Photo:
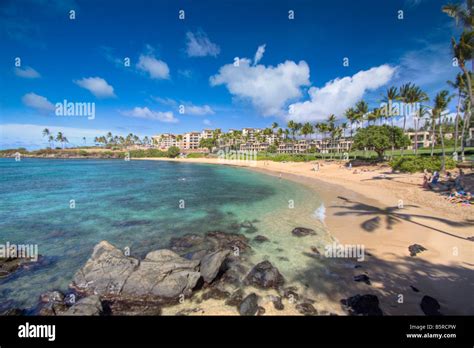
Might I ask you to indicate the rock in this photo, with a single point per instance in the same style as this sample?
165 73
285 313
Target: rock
276 300
235 299
211 264
430 306
10 265
215 294
162 273
189 311
260 311
315 250
363 305
105 272
265 275
249 305
362 278
52 296
222 240
185 242
416 249
89 306
302 231
306 309
260 239
246 224
291 294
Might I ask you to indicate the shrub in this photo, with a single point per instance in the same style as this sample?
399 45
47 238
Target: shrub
412 164
173 151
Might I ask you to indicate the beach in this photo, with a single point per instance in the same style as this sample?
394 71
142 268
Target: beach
387 213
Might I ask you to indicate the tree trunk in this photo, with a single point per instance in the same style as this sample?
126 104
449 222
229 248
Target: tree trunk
416 135
456 125
443 158
433 129
404 125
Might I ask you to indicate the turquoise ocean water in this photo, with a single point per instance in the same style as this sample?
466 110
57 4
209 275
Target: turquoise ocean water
136 204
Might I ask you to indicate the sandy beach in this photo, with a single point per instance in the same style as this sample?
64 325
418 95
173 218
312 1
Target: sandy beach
386 213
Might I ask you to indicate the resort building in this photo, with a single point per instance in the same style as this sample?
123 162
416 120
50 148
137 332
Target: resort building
165 141
254 146
207 134
250 133
191 140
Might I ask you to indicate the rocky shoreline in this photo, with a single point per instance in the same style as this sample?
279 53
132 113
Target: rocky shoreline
194 268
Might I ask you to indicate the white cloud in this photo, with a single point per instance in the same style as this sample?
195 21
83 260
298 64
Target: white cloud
259 54
27 73
157 69
339 94
267 88
198 110
146 113
97 86
37 102
199 45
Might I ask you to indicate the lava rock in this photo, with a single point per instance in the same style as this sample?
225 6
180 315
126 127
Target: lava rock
430 306
416 249
249 305
211 264
363 305
302 231
362 278
306 309
260 239
265 275
88 306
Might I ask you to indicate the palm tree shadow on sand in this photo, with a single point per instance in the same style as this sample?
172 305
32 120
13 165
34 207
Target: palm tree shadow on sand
393 216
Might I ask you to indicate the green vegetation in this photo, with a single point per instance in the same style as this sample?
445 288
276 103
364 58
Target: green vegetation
412 164
147 153
173 152
380 138
196 155
207 143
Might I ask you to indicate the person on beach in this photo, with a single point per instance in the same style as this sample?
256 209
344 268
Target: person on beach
426 180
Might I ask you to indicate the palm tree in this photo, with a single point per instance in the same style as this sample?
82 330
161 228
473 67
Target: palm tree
307 129
458 85
441 102
274 126
60 137
464 51
350 115
65 141
414 97
463 15
51 141
292 127
361 110
46 133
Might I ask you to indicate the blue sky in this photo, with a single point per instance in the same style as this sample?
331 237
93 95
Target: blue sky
299 65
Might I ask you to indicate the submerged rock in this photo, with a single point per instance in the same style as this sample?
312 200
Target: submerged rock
249 305
302 231
185 242
265 275
430 306
235 298
416 249
363 305
260 239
